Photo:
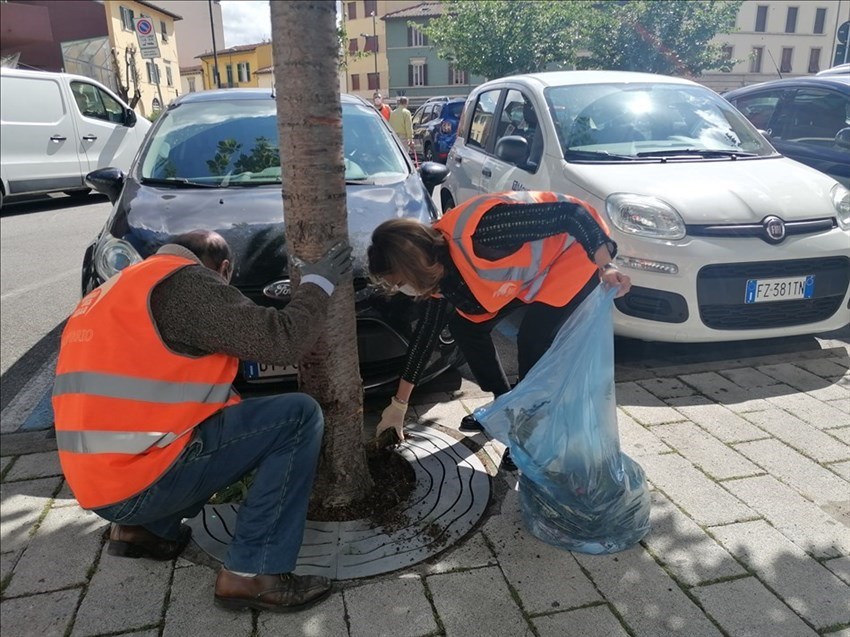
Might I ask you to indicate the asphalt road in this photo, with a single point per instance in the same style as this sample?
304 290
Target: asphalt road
42 243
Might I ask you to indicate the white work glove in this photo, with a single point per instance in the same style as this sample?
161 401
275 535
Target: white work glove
393 418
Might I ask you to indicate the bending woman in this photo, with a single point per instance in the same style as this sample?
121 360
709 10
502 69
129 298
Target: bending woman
483 260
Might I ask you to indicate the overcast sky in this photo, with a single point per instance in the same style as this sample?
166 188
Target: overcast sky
245 21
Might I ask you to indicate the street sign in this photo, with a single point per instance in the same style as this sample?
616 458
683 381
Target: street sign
146 34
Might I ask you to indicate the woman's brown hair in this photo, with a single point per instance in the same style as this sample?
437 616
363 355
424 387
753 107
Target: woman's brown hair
409 250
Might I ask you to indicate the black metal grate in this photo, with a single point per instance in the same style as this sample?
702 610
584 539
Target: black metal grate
760 316
774 269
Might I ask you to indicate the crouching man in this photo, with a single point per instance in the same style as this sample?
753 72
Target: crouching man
148 426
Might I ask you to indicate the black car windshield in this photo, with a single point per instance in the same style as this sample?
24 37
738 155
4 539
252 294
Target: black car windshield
624 122
235 143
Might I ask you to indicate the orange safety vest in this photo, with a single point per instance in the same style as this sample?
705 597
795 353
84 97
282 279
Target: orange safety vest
385 111
123 401
551 270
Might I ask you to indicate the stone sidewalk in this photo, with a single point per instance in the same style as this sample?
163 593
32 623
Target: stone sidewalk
749 462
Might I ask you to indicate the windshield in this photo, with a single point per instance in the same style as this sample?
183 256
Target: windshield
628 121
235 143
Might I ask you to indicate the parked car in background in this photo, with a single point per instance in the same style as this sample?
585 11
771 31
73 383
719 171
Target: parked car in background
212 161
842 70
805 118
724 238
445 128
423 124
55 128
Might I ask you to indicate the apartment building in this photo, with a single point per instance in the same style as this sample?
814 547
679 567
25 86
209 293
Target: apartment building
237 65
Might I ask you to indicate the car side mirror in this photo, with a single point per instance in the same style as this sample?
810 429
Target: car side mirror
129 118
433 174
842 138
512 149
107 181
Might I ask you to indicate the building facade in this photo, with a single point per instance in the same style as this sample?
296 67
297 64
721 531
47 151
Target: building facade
195 33
784 38
237 65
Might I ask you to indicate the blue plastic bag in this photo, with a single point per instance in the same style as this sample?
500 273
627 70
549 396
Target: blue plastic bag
577 489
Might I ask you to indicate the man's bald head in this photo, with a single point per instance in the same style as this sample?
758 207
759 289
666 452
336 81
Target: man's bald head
210 247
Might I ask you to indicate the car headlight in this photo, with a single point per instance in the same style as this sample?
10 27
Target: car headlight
113 255
841 200
644 216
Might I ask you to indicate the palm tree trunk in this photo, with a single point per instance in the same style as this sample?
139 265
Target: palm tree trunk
306 58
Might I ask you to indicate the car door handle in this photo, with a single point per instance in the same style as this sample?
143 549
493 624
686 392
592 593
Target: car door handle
58 138
458 159
486 172
89 138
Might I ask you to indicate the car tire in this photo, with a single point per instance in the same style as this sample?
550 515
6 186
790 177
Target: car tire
428 153
447 202
78 194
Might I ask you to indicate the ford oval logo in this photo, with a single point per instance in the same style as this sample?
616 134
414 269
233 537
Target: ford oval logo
774 228
278 290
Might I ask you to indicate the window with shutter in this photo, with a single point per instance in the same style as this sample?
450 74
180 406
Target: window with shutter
352 10
785 65
370 7
820 20
163 32
791 20
374 81
814 60
355 81
761 18
352 45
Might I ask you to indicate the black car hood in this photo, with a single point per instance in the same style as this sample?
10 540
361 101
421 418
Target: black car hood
251 220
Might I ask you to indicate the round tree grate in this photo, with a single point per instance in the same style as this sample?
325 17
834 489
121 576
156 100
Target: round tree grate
451 492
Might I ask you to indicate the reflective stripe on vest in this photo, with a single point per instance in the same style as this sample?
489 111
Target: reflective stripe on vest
128 442
142 389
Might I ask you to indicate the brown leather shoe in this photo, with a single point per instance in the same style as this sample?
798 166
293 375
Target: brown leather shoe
137 541
283 593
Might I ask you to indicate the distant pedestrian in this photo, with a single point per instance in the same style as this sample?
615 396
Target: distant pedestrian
383 109
148 426
402 122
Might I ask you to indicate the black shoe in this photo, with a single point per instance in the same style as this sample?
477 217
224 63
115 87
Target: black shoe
468 423
136 541
507 462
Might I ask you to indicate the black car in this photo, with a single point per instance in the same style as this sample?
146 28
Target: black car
212 161
805 118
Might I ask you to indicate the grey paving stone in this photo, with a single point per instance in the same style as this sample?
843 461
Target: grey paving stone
797 471
191 612
825 368
647 599
36 465
745 608
643 406
472 552
666 388
841 633
5 462
688 552
841 567
809 440
122 595
396 607
22 504
813 411
470 389
594 621
806 381
809 588
841 468
543 576
65 497
843 434
446 414
60 554
705 501
326 619
637 440
460 604
724 391
721 422
7 563
748 377
842 405
47 615
798 519
705 451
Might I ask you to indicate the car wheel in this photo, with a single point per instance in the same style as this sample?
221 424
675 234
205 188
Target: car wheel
428 153
1 198
446 201
78 194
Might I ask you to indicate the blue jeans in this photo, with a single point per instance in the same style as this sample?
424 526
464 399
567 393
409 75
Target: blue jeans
280 437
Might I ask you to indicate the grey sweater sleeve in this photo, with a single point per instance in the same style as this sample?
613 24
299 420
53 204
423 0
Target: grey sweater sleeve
197 313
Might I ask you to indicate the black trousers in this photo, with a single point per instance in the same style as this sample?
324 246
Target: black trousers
538 329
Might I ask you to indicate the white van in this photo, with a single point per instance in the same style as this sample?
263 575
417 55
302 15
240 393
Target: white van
55 128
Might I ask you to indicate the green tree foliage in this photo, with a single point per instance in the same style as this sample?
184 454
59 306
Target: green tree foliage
660 36
496 38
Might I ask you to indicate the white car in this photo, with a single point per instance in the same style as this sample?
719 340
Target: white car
55 128
724 238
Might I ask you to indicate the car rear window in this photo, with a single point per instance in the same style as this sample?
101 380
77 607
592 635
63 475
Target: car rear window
452 110
235 143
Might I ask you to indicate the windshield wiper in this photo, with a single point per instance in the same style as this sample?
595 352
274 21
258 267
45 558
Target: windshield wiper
176 182
569 153
702 152
360 181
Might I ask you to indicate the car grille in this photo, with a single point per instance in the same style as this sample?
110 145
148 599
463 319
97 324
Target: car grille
810 226
720 293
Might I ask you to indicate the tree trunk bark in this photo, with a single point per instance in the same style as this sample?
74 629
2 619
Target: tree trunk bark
306 58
